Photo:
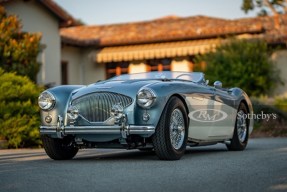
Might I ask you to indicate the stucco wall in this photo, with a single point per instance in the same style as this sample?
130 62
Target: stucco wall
92 71
280 58
82 68
73 57
36 18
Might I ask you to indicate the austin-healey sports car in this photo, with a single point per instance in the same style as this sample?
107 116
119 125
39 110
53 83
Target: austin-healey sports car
162 112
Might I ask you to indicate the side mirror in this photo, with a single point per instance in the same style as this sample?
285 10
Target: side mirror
206 82
217 84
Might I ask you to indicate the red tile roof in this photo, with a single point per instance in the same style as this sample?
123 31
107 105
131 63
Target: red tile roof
170 29
271 33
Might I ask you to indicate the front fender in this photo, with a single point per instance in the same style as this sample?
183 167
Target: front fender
154 112
62 95
163 91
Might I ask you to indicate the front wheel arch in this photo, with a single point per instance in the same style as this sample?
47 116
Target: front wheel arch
246 105
184 103
170 137
182 100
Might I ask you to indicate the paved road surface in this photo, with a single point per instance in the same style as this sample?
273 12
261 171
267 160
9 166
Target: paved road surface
262 167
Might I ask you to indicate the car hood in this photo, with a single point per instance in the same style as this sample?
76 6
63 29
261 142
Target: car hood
129 88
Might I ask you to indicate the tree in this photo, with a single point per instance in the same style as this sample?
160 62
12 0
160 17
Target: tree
275 6
18 50
19 112
242 63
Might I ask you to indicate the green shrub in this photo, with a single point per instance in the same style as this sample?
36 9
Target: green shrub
244 64
275 127
281 103
18 49
19 112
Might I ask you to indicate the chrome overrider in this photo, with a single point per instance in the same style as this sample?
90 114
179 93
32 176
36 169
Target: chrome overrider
116 124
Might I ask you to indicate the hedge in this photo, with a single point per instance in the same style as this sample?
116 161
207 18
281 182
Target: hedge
19 112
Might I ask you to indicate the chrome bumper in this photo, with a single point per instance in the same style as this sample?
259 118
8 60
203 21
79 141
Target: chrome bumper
122 129
114 129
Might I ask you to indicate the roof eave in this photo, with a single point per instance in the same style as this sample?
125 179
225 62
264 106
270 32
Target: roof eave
99 43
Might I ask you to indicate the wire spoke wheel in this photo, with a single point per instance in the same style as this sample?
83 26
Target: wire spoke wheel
170 137
177 129
241 126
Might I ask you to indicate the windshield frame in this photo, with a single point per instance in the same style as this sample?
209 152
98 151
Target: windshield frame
196 77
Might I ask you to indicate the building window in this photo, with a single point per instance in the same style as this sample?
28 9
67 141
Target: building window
159 65
114 69
64 72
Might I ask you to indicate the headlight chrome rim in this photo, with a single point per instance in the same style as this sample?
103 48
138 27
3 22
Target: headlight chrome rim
46 101
146 98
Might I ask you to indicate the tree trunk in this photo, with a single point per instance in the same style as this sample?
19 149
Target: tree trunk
277 21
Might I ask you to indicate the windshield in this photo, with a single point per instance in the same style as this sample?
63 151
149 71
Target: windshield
194 76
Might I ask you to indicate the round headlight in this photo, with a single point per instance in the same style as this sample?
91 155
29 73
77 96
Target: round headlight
146 98
46 100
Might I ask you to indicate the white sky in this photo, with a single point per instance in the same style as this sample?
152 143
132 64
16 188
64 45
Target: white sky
120 11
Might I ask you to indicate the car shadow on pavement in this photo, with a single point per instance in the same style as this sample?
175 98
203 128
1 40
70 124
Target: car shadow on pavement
191 152
120 154
143 155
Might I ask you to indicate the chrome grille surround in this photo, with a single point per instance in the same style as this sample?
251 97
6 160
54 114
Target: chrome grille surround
96 107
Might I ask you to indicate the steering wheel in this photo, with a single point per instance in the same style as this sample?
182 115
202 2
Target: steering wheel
185 75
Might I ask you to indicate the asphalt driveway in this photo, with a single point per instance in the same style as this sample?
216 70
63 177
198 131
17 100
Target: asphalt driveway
261 167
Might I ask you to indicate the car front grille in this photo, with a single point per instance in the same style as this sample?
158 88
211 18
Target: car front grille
96 107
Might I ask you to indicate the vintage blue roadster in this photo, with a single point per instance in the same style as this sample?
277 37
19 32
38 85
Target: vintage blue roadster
160 111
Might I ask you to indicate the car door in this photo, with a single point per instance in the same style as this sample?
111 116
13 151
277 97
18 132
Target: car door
223 124
201 114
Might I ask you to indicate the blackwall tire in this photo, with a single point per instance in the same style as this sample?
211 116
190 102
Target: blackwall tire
241 130
58 149
170 137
